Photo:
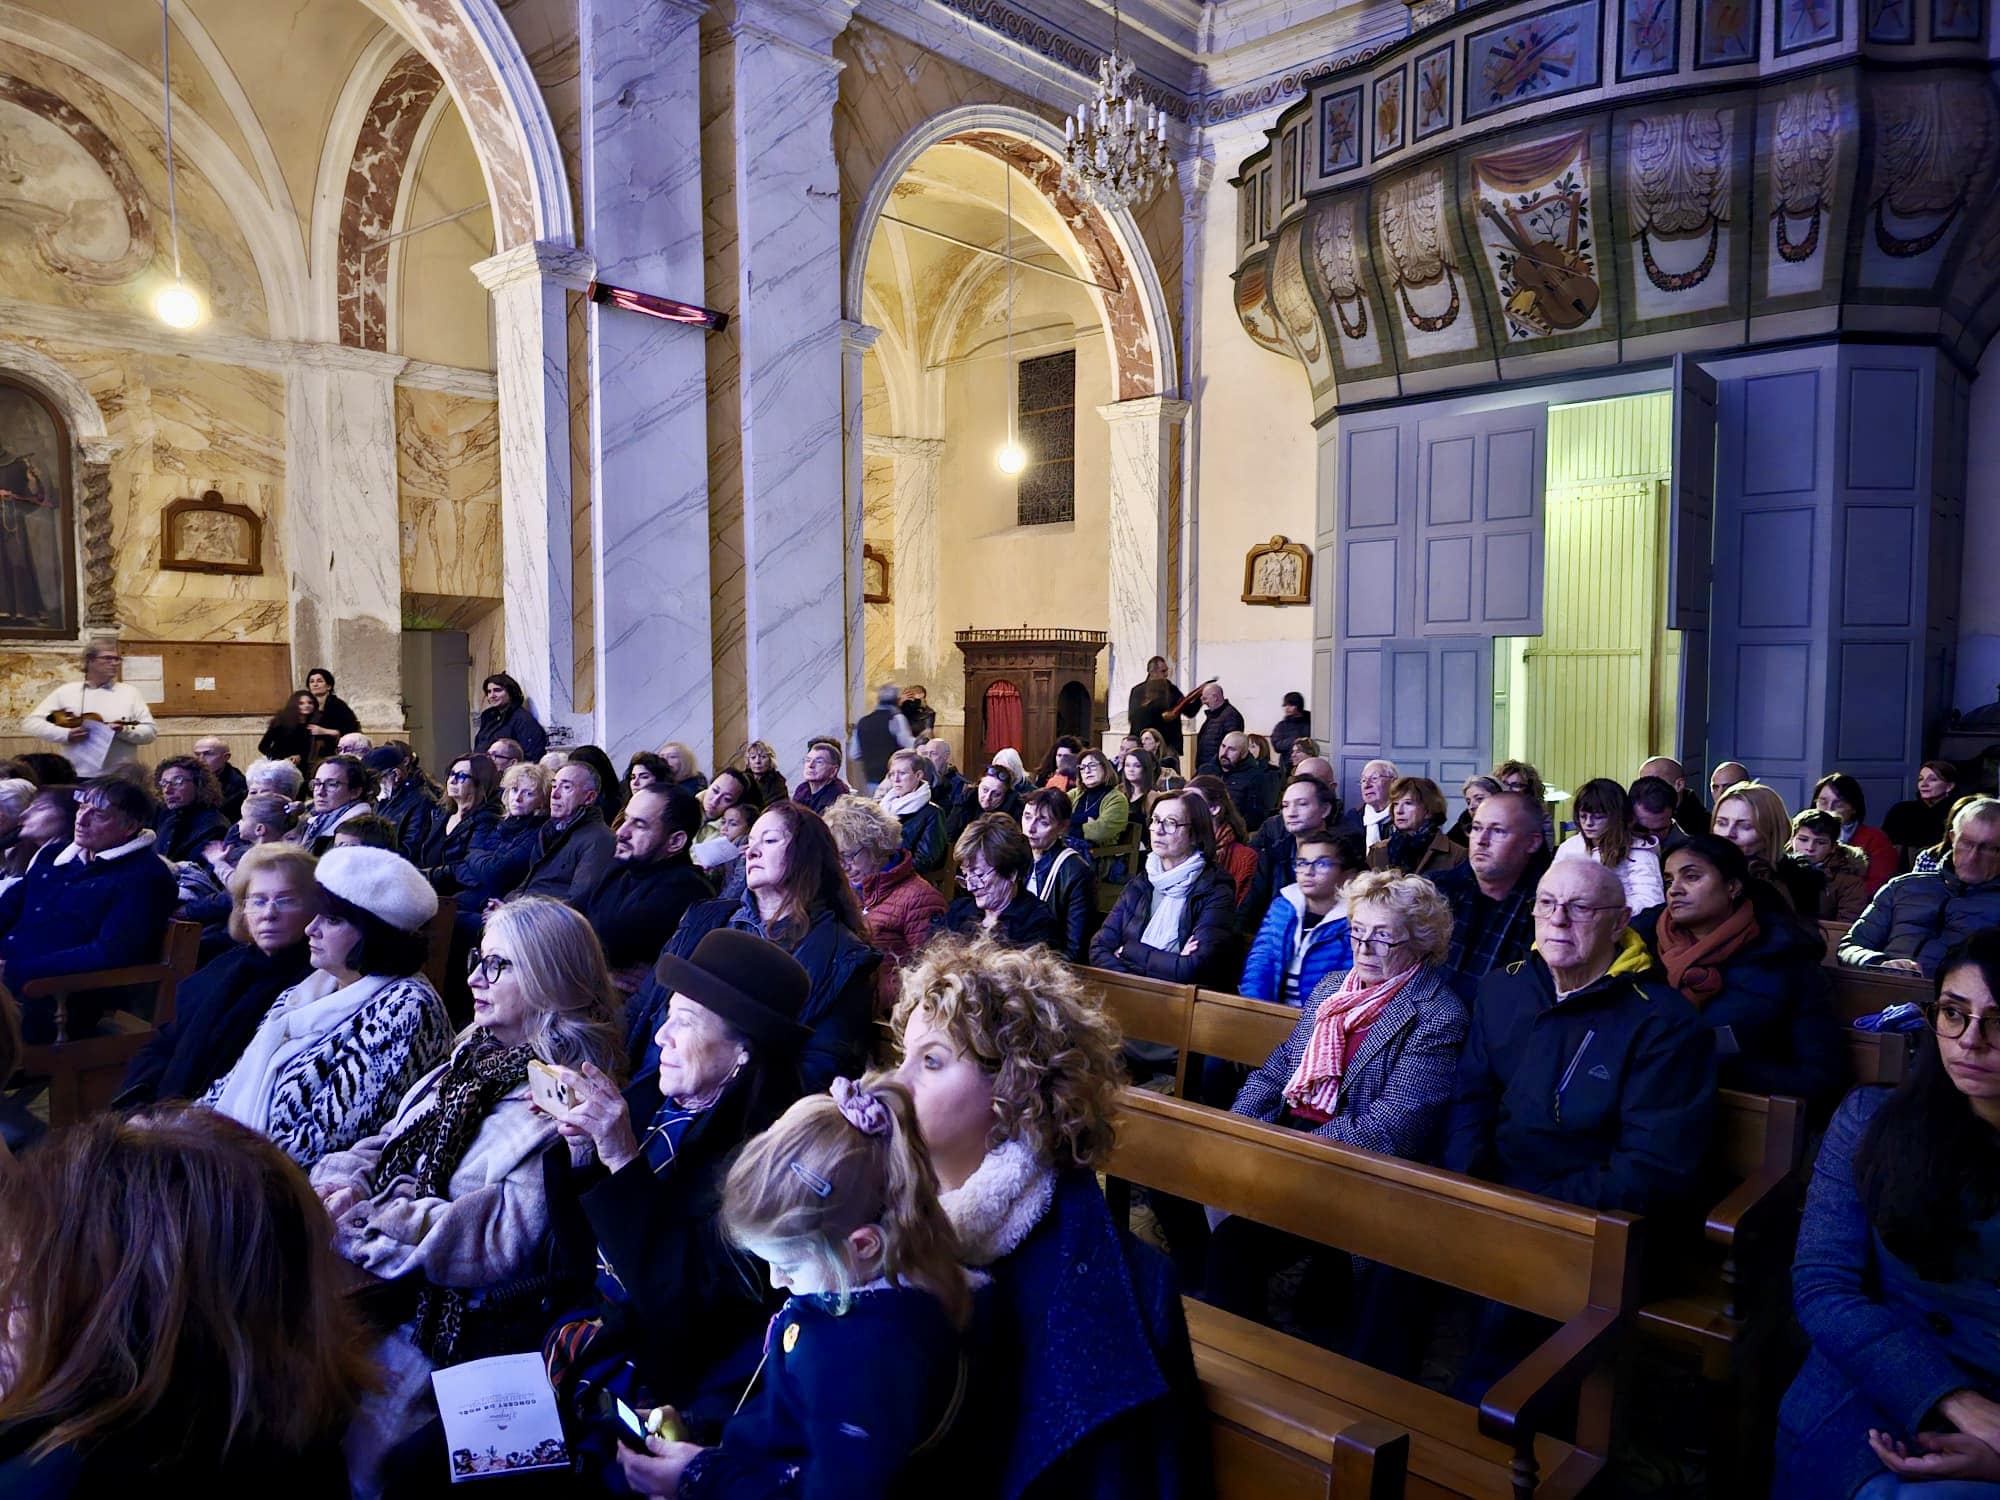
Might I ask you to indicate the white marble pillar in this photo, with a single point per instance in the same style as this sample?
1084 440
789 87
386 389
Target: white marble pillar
642 224
1140 433
343 526
783 83
918 463
1196 175
856 339
530 285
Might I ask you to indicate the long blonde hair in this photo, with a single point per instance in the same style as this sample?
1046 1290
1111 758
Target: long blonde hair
1767 813
575 1008
817 1175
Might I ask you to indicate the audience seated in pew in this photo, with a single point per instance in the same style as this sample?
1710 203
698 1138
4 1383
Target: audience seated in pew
1085 1386
822 784
1840 794
17 795
1064 878
1753 971
1753 818
898 905
1894 1279
1100 811
444 1205
796 896
1306 805
493 866
1176 918
190 813
335 1054
1416 842
996 793
761 761
1304 937
906 796
342 788
1492 894
1922 820
650 882
994 862
1242 775
468 819
1656 812
1234 855
865 1369
369 831
1842 869
576 845
1915 919
103 902
1607 833
404 795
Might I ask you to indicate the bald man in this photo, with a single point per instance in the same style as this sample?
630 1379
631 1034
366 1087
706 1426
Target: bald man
1725 776
214 753
1689 813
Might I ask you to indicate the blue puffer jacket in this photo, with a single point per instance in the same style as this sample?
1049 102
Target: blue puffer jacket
1920 917
1319 951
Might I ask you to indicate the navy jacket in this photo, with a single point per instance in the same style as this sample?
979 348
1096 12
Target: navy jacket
70 917
216 1012
496 860
413 810
839 1010
1777 1007
1070 891
515 724
1886 1344
819 801
635 908
1026 921
1083 1378
1210 915
1920 917
1603 1101
180 832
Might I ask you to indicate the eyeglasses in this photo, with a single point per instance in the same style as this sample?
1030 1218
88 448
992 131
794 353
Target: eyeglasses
1572 911
1159 823
1320 866
279 904
973 880
174 781
459 776
487 966
1953 1021
320 784
1376 942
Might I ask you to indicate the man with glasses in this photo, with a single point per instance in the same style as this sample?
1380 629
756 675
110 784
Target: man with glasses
651 880
103 903
1492 893
1584 1077
822 786
1914 920
341 788
60 717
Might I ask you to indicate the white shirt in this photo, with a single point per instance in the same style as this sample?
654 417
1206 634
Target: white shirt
120 700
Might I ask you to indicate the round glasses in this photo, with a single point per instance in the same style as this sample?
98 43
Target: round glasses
1953 1021
487 966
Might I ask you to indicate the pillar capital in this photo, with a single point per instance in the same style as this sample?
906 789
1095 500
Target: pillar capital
538 260
1144 409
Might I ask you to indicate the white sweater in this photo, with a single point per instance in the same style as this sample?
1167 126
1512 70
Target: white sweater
1639 874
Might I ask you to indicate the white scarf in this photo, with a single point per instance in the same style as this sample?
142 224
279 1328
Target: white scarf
302 1017
906 804
1170 898
144 839
1375 824
1002 1200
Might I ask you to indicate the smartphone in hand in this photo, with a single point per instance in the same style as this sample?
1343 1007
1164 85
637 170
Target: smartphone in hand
551 1088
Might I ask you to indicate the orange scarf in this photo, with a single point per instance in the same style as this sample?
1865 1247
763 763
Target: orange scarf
1348 1010
1694 965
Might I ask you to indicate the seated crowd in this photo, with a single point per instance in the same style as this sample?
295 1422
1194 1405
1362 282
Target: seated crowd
773 1113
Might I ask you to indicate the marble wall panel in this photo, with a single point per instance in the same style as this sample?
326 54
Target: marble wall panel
448 472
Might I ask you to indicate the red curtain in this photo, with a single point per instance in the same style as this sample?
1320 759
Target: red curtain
1003 719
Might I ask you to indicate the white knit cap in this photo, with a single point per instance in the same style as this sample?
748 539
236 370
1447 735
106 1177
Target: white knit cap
381 883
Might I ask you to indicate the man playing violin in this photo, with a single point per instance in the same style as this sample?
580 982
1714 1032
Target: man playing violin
63 717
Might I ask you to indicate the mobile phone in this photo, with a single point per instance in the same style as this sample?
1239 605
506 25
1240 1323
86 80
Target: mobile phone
633 1429
549 1088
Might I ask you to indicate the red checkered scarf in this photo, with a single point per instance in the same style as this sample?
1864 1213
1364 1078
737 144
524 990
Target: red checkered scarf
1350 1009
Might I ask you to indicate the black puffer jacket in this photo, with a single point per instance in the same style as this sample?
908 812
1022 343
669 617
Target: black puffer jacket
1209 916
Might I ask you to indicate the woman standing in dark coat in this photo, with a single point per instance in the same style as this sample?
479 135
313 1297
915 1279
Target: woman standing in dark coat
506 717
1898 1258
331 717
289 734
1175 919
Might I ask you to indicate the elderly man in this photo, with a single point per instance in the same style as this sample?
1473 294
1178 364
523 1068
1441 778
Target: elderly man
103 903
950 794
879 734
1371 817
1306 806
342 788
1221 720
822 786
575 846
1492 894
118 704
1723 777
638 900
354 743
214 753
1243 776
1584 1076
1914 920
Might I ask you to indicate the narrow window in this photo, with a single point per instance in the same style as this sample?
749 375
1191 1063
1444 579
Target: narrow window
1046 393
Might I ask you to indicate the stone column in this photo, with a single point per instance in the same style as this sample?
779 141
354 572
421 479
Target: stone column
642 212
856 339
530 285
918 462
1140 432
783 83
1196 174
100 568
343 525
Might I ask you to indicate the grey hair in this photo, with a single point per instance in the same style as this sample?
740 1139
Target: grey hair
859 823
279 776
1422 907
1978 810
15 795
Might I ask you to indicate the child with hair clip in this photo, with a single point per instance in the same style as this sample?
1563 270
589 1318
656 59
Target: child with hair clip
863 1369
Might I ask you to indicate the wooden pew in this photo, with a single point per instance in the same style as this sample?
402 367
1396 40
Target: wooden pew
1293 1403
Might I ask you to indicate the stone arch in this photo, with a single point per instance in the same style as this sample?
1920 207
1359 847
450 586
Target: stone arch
92 471
380 158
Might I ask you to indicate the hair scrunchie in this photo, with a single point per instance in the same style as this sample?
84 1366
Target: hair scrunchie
863 1110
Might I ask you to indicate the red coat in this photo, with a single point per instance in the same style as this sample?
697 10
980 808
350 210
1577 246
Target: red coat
1883 862
1237 860
898 904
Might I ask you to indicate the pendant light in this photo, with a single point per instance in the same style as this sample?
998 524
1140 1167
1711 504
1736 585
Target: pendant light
1010 459
179 305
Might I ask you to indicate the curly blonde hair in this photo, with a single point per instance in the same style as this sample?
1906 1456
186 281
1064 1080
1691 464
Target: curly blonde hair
1029 1022
861 824
1419 904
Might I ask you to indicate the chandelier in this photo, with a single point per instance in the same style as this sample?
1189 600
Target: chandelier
1115 146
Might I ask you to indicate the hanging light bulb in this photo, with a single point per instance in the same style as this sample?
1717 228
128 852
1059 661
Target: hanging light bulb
178 305
1012 458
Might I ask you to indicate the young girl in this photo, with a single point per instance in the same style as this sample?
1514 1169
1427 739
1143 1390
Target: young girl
1605 832
863 1371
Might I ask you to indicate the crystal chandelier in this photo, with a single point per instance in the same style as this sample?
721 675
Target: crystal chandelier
1115 146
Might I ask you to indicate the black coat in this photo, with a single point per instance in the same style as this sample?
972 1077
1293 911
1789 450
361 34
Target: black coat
181 832
568 861
1024 923
216 1012
1070 892
1149 706
1216 725
284 741
1210 915
1284 732
413 810
512 723
496 860
771 787
130 1463
957 803
235 787
634 908
334 714
446 846
923 836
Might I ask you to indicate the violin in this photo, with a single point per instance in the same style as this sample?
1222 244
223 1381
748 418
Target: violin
62 718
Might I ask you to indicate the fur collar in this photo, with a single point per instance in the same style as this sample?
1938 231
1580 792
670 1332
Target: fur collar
998 1205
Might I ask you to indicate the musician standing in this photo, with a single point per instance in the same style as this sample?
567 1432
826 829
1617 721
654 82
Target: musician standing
100 693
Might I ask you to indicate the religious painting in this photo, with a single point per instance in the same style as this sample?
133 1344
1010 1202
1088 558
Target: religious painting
1725 32
37 521
1890 21
1335 265
1806 23
1540 56
1958 21
1277 572
1537 226
874 575
1340 131
210 535
1433 102
1387 115
1649 38
1253 309
1679 171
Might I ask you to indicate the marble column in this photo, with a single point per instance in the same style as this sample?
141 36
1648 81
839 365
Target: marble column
343 526
642 223
530 285
1196 175
856 339
1140 432
914 582
783 83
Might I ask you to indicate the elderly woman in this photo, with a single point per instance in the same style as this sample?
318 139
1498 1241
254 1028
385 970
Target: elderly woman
684 767
795 895
1921 822
1063 879
1175 919
996 793
272 898
335 1053
1233 854
446 1201
1754 972
469 819
1841 795
1475 790
1416 843
506 717
495 865
190 813
1606 832
1841 868
1099 809
1014 1070
897 903
761 761
994 863
1753 818
1898 1258
906 796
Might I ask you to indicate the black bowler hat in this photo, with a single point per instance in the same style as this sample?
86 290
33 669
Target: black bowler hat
751 983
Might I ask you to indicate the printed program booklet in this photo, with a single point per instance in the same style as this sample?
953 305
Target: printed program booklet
499 1417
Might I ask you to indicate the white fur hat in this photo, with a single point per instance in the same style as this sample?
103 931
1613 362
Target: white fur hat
381 883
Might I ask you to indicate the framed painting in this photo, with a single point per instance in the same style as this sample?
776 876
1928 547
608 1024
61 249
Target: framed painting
1805 23
1528 58
1340 131
1649 38
37 519
1386 117
1890 22
1431 110
1958 21
210 535
1725 33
